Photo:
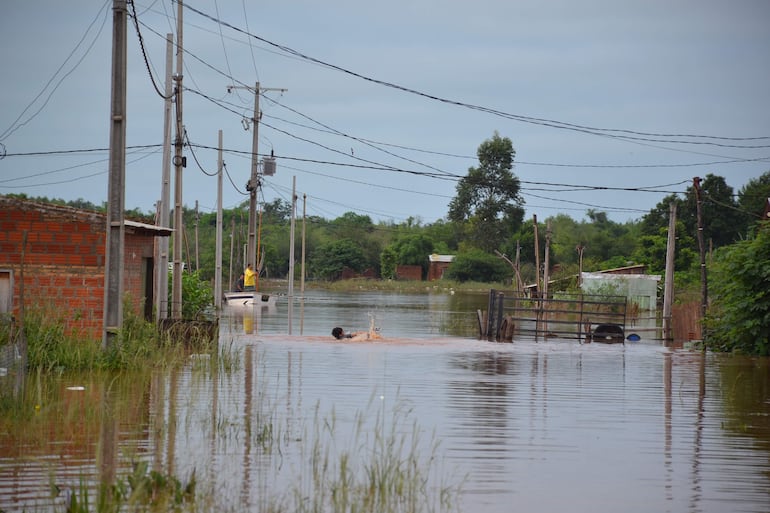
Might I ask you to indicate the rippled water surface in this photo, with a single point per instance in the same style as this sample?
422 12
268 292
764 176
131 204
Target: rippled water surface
537 427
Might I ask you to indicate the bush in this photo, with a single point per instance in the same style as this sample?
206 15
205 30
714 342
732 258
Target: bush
738 317
476 265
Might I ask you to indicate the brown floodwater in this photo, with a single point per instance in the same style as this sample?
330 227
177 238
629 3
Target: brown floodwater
528 426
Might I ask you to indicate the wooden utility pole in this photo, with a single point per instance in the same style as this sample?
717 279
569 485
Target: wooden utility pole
580 248
702 247
161 286
668 284
116 194
176 279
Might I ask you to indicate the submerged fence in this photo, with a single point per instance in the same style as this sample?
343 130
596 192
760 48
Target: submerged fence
564 315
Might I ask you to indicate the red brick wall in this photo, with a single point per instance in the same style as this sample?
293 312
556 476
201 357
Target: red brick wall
63 262
436 270
409 272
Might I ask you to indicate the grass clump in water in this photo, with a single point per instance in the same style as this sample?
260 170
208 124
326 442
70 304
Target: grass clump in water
386 469
139 344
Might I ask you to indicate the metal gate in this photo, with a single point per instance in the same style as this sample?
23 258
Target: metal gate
563 315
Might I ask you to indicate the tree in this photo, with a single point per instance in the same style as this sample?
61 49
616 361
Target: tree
753 197
722 221
738 318
331 258
476 265
487 204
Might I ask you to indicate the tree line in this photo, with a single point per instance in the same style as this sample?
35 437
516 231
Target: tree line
485 228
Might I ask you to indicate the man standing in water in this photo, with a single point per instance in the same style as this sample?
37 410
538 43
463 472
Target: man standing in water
249 278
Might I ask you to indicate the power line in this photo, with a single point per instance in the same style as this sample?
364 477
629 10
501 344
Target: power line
617 133
17 124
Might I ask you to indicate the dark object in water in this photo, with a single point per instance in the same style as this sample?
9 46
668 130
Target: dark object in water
608 333
633 337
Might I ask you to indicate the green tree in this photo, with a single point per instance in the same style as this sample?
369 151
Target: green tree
331 258
738 317
723 223
487 205
409 249
753 197
476 265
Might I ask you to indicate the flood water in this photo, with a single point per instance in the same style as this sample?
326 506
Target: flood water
528 426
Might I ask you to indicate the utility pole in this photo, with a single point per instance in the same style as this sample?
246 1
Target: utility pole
547 260
702 247
291 248
165 189
197 218
232 247
668 284
302 268
176 281
116 194
537 257
253 184
218 251
580 248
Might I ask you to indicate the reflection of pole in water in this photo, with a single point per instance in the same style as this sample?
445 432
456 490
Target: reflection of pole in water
157 393
214 368
108 442
172 395
667 454
698 441
247 407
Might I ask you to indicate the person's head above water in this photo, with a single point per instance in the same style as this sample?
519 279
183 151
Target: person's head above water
338 333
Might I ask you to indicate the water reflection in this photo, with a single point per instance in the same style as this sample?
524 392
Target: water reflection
536 427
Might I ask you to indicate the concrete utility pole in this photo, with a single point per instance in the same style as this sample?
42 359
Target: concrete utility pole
291 249
253 184
197 218
302 268
218 251
668 283
161 285
537 257
116 194
702 247
176 280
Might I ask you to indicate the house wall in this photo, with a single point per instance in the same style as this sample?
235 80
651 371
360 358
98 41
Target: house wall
436 270
409 272
60 269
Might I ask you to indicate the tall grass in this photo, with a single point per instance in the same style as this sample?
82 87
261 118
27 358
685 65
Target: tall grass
384 469
50 347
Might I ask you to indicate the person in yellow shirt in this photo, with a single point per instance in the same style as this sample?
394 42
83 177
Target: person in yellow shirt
249 278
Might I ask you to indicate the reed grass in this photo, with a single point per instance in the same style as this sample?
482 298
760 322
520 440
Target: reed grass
139 344
384 468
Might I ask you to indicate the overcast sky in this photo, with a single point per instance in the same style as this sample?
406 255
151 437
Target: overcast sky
610 105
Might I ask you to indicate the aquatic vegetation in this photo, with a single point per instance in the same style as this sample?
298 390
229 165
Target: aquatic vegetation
385 468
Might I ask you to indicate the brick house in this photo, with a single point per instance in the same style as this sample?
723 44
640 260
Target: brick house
409 272
437 265
54 256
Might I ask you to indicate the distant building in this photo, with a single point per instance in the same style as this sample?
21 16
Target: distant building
640 289
52 257
438 265
409 272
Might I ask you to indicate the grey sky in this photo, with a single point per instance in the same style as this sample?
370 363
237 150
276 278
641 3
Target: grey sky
651 67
